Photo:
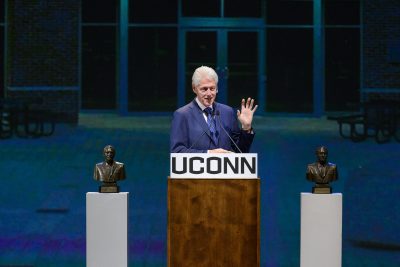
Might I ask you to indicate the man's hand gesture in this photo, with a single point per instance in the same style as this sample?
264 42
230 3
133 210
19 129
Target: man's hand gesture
245 115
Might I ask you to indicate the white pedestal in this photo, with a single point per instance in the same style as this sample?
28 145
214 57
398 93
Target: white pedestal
107 229
321 230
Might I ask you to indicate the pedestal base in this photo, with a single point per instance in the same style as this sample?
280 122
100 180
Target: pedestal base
321 230
108 189
107 229
321 190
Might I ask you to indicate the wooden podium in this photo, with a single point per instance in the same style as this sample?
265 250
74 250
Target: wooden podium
213 222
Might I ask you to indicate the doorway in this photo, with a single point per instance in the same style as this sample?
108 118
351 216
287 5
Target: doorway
235 56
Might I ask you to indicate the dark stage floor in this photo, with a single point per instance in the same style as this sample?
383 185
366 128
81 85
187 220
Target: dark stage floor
42 212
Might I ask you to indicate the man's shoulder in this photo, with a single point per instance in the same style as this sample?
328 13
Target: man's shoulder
185 108
119 165
222 108
331 165
100 164
312 165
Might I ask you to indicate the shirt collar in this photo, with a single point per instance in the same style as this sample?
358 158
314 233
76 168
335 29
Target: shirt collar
202 107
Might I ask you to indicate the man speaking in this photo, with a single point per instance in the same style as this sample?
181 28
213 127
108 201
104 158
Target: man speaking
205 126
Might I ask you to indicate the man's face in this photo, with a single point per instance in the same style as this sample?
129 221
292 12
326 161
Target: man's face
206 91
322 155
109 155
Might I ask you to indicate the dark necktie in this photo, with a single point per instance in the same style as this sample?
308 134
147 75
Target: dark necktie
211 125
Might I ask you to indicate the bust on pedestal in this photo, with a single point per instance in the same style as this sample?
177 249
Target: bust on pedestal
109 171
322 172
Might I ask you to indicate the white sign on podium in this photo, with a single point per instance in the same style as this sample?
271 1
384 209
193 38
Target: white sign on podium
214 165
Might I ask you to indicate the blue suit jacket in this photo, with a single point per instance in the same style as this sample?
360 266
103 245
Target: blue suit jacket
190 132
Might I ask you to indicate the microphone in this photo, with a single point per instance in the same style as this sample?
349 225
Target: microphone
223 128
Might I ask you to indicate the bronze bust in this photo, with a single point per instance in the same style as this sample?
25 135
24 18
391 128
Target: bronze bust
322 172
109 171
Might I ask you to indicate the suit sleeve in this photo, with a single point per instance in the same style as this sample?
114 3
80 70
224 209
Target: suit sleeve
242 139
179 135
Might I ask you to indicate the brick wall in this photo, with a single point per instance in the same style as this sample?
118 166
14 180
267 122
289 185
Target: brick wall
381 44
43 52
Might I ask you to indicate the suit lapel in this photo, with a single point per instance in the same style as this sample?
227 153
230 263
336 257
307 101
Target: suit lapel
106 170
198 115
322 171
112 169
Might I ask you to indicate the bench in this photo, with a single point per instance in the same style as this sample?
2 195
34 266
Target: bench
377 119
25 118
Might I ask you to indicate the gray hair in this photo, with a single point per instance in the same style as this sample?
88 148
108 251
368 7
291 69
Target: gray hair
204 72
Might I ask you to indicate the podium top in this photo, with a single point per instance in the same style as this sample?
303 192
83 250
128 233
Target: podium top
213 166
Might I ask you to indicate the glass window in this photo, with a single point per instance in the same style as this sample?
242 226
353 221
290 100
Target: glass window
2 60
342 12
2 11
236 8
152 69
99 11
201 49
98 67
145 11
342 71
204 8
242 70
290 70
289 12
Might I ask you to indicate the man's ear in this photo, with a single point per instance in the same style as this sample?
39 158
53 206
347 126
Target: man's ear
193 88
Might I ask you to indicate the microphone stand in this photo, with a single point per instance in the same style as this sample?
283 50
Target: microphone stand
222 126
